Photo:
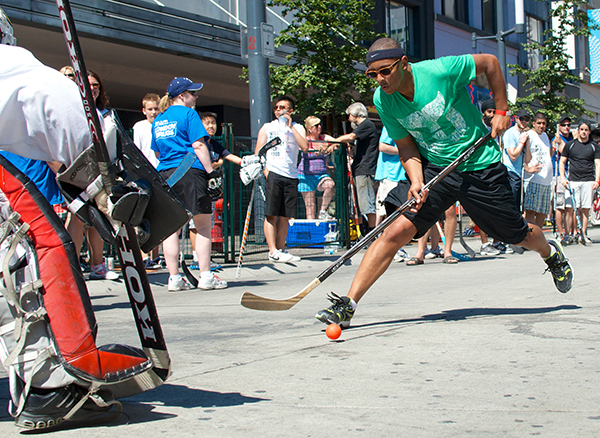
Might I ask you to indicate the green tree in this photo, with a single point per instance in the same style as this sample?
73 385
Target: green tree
546 84
329 37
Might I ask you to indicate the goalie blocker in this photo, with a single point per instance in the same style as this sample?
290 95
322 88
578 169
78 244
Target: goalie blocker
47 324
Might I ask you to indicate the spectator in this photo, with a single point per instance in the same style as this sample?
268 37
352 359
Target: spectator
389 173
75 227
176 132
565 215
365 158
537 177
312 170
282 176
217 156
142 137
583 156
512 154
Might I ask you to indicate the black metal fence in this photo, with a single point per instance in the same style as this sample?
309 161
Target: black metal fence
230 211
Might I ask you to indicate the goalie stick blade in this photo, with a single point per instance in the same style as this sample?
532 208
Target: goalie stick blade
256 302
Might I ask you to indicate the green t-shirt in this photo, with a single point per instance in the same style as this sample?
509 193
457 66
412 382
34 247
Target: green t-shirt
441 118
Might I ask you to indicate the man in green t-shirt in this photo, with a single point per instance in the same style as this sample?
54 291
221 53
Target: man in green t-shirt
428 112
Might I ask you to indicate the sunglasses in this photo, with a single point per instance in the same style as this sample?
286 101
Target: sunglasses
524 119
281 107
565 124
384 71
193 93
69 75
95 85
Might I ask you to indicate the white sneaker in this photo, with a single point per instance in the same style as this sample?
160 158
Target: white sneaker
178 283
401 256
212 283
488 250
431 254
101 272
324 216
282 257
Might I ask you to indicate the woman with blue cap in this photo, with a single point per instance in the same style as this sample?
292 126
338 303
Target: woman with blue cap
176 132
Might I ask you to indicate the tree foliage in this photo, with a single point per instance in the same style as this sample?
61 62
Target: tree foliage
546 85
329 37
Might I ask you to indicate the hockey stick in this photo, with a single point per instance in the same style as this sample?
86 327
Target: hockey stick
256 302
353 199
132 265
466 247
463 257
271 144
184 267
72 40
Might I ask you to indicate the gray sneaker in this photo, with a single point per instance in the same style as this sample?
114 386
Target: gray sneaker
488 250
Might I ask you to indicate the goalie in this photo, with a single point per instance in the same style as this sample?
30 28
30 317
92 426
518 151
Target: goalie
47 326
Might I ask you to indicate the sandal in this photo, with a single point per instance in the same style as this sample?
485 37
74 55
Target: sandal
413 261
451 259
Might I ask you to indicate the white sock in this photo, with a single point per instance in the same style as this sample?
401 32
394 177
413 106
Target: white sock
175 277
206 275
552 251
195 256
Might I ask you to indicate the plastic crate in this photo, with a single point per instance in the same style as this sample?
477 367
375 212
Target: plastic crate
306 232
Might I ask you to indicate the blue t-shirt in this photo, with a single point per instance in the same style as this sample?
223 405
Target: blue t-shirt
388 166
173 133
510 139
40 174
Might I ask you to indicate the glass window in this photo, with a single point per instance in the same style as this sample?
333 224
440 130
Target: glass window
398 23
488 16
535 28
456 9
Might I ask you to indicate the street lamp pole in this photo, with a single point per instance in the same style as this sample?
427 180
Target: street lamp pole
500 35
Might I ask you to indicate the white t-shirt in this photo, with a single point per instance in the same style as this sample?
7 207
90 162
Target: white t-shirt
142 137
283 158
540 153
41 114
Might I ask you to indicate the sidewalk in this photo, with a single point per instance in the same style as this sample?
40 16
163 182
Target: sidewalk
482 348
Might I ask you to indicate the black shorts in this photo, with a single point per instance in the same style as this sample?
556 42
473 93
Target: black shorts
282 195
485 194
192 190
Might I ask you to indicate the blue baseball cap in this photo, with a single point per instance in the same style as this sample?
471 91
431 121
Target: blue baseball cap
179 85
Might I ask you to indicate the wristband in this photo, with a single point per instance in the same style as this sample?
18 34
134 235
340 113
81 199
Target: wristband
503 113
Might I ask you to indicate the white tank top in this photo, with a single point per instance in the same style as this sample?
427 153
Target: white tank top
283 158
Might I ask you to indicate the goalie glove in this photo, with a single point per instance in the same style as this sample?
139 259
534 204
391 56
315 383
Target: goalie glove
252 160
250 172
215 183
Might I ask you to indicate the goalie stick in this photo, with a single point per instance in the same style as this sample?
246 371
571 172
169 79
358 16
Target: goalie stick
256 302
271 144
132 266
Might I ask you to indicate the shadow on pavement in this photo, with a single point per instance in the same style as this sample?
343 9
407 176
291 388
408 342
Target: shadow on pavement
184 397
462 314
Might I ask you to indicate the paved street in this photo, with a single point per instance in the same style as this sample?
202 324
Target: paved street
483 348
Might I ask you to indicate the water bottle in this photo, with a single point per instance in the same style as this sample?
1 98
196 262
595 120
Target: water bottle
282 121
329 247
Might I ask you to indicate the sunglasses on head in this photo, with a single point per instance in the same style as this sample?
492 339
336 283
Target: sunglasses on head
384 71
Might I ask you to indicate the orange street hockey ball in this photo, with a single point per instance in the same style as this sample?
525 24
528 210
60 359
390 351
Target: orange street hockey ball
333 331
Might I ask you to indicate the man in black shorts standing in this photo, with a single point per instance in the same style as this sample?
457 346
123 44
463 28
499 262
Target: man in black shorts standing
427 110
282 176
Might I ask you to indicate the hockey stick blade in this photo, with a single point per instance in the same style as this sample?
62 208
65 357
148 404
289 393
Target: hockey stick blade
256 302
